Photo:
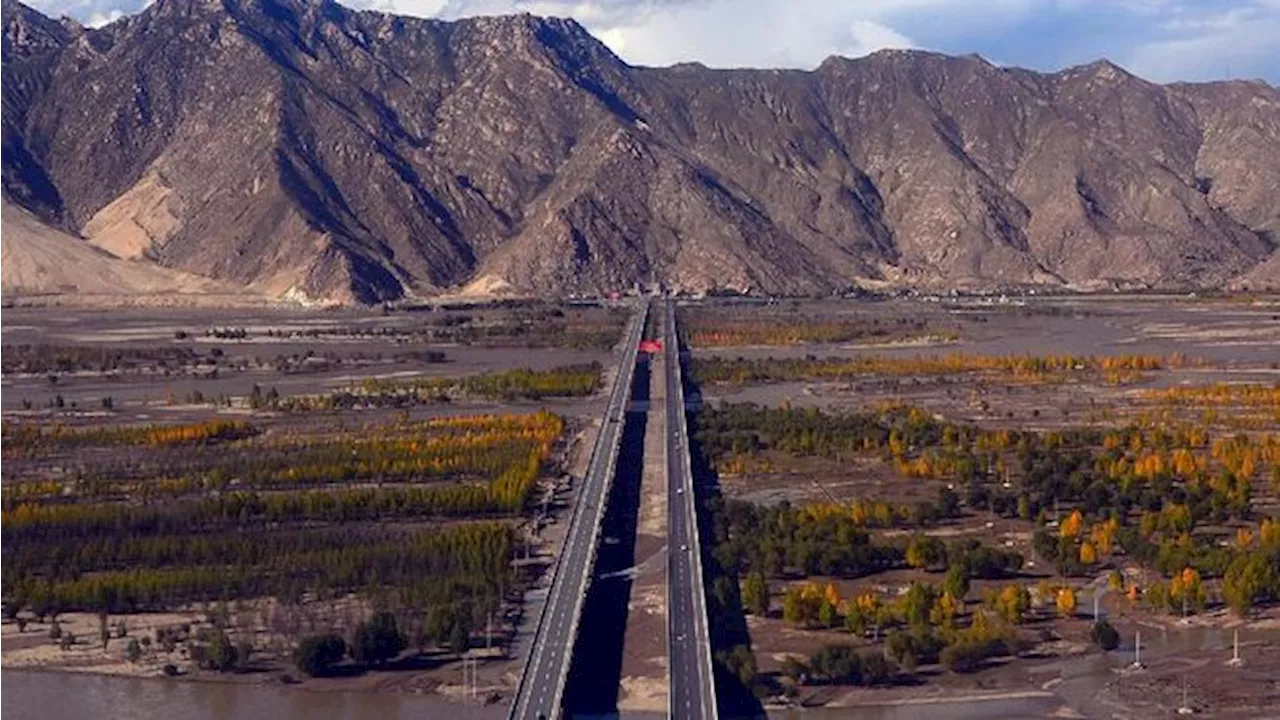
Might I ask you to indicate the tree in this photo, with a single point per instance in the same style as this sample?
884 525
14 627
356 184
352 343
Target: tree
1012 603
1066 602
377 640
1072 526
460 634
215 651
956 583
133 651
827 614
918 602
798 606
316 655
837 664
1088 554
968 655
856 619
1186 590
909 648
1115 581
755 594
740 662
944 611
925 551
1250 578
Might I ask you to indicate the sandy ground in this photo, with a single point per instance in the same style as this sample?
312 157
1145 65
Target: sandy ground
34 649
45 266
644 653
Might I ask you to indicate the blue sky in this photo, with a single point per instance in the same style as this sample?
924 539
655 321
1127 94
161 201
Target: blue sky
1163 40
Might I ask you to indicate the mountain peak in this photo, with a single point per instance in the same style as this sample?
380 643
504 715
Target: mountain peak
296 146
1101 69
28 32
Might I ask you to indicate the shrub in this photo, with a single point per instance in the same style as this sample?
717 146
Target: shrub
316 655
1105 635
377 640
969 655
215 651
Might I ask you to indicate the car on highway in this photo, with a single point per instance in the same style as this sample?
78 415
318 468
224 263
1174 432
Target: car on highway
684 548
679 491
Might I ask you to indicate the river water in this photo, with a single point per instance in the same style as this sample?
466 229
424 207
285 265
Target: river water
71 696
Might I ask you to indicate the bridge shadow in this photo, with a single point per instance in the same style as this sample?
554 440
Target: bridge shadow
596 671
735 698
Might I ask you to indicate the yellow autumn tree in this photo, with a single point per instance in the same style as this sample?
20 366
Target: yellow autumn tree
1269 533
943 613
832 594
1102 536
1088 555
1066 602
1187 589
1072 526
1115 581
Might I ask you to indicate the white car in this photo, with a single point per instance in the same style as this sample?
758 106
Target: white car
684 548
679 491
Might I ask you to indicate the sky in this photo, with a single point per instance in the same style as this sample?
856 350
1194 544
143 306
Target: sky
1162 40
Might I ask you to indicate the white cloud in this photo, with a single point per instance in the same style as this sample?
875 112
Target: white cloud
98 19
1159 39
1213 44
750 33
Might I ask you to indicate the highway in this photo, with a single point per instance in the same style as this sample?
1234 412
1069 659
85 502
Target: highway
692 691
541 690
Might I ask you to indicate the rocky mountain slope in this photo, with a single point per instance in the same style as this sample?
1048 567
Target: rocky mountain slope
296 146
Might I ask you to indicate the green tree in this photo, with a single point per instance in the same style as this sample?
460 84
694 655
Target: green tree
460 635
214 651
316 655
755 594
856 620
925 551
740 662
377 640
1250 578
799 608
918 602
957 581
1012 603
827 615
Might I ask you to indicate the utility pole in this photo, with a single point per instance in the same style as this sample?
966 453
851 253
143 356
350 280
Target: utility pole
1184 708
1235 660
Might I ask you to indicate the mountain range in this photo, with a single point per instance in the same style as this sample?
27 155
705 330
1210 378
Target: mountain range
301 149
